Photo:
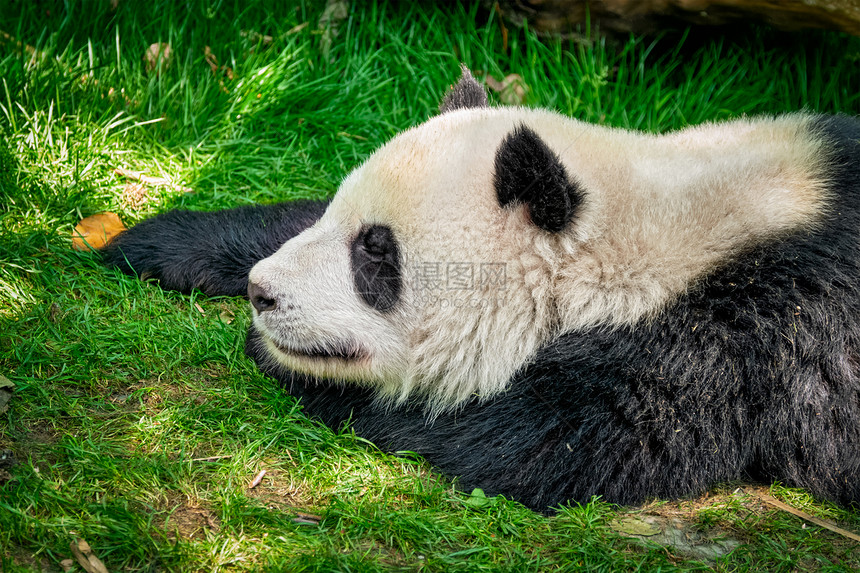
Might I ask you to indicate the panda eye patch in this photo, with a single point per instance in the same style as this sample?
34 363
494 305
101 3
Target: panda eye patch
375 259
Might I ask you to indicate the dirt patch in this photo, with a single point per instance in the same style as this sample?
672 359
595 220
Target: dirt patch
704 528
42 432
188 521
683 537
277 491
689 527
22 558
36 442
152 395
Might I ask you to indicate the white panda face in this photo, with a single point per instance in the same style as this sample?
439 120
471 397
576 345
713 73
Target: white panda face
416 280
318 322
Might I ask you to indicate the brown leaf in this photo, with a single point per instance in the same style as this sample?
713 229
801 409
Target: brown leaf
5 396
86 558
96 231
158 53
211 59
512 90
6 388
336 12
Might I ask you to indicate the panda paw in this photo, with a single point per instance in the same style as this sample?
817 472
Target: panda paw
210 251
175 249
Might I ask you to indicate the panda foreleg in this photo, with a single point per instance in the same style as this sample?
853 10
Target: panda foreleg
213 252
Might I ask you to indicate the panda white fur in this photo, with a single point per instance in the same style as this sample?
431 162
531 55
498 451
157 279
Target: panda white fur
552 310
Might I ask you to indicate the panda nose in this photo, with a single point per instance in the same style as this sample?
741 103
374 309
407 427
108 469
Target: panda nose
260 298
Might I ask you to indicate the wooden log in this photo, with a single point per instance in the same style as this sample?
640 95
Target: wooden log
647 16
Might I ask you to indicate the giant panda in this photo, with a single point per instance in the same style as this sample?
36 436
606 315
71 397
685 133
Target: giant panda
551 310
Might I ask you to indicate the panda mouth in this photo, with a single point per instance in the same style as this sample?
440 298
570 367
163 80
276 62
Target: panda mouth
348 352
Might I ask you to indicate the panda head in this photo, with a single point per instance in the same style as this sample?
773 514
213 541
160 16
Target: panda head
464 244
428 273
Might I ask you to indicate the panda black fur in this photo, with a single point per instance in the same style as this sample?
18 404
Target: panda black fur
683 308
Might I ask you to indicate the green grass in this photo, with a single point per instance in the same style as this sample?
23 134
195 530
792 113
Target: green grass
123 390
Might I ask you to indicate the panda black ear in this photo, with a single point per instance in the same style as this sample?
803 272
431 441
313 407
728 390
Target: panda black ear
529 172
467 93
